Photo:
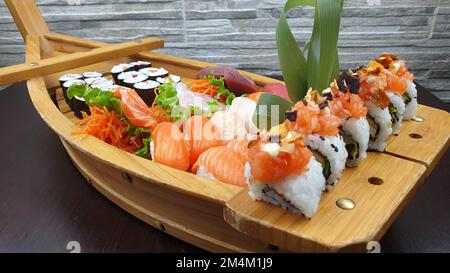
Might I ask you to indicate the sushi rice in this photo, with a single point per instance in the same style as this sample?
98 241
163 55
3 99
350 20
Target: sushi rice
410 107
298 194
358 130
397 110
382 118
332 149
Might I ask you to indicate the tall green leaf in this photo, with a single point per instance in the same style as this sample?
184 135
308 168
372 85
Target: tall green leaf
322 63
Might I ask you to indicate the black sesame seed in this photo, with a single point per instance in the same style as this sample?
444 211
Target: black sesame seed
323 105
274 139
335 148
291 115
328 95
322 138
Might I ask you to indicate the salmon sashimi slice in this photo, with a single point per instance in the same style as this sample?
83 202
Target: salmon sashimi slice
270 166
134 108
201 135
169 146
223 164
240 147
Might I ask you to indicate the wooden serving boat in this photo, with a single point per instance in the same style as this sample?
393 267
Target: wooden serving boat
208 214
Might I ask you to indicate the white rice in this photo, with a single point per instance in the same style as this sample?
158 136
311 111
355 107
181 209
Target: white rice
298 194
383 119
201 171
358 129
333 148
397 102
411 107
152 150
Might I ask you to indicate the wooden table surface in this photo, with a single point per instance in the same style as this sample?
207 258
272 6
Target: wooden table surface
45 202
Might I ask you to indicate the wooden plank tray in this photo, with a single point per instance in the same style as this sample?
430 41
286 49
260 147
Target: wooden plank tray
212 215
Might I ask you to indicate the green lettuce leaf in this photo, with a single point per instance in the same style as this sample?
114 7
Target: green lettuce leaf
144 151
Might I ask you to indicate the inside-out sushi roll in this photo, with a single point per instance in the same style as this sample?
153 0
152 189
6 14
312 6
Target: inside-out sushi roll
372 83
140 65
153 73
66 86
401 82
174 78
92 74
284 173
133 78
117 69
350 108
146 90
312 118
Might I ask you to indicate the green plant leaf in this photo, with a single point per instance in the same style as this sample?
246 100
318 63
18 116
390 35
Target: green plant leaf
321 64
322 54
270 110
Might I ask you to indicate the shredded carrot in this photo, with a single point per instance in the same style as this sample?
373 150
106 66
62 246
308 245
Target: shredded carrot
108 126
204 87
159 113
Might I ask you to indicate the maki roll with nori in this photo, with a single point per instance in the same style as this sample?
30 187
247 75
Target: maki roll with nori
68 77
140 65
350 108
66 86
97 80
173 78
118 69
79 105
92 74
133 78
371 90
153 73
105 87
284 173
146 91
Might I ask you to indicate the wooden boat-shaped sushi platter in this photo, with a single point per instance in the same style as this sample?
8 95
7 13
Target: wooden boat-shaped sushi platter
215 216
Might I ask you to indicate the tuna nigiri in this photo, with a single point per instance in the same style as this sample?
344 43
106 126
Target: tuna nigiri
201 135
222 164
168 146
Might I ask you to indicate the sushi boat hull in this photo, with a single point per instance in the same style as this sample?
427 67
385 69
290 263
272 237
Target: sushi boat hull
208 214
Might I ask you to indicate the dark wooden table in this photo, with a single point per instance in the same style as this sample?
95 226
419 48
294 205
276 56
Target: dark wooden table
45 202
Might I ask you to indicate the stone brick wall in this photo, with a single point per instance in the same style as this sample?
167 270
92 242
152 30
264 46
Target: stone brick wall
241 32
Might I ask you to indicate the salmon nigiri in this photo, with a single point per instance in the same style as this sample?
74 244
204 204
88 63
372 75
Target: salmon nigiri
168 146
223 164
240 146
201 135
